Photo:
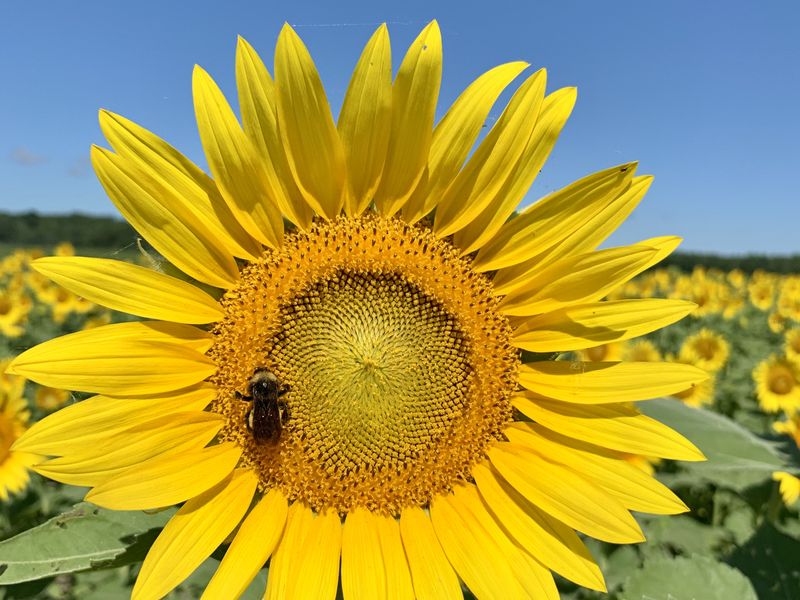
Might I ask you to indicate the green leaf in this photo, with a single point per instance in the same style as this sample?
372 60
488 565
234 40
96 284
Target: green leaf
682 578
83 538
683 534
737 458
770 559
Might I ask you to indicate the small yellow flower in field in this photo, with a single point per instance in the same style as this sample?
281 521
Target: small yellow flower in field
789 304
349 400
642 351
789 486
776 322
790 427
697 395
48 399
14 465
762 292
791 344
14 309
736 278
778 384
612 351
706 349
64 249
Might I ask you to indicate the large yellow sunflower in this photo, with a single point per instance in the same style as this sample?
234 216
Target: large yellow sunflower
374 296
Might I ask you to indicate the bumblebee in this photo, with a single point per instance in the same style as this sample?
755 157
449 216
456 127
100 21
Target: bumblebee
269 414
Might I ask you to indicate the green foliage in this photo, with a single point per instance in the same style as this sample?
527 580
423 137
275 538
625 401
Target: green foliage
736 457
33 229
687 578
86 537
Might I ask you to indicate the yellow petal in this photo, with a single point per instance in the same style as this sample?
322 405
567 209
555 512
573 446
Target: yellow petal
548 221
363 571
455 135
562 493
576 280
536 580
101 418
551 542
475 556
284 561
616 426
316 573
605 382
315 153
414 95
124 358
161 482
254 542
632 487
240 174
171 434
586 325
590 234
431 572
193 534
151 208
258 106
555 111
365 121
395 563
130 288
195 194
515 280
489 168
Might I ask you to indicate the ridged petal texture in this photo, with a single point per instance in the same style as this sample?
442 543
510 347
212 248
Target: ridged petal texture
125 358
154 435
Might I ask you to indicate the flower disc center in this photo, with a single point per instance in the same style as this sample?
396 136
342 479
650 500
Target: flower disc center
378 369
397 362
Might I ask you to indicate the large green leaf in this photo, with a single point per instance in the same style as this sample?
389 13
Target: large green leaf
737 458
85 537
682 578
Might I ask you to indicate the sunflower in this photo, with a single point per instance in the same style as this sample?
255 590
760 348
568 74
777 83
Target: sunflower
642 351
706 349
369 272
14 309
789 486
14 464
697 394
612 351
48 399
778 384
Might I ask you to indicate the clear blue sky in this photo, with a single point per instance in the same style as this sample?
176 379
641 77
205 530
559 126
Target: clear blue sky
704 94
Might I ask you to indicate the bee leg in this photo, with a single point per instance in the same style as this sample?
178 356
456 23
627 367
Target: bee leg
284 389
241 396
283 412
248 419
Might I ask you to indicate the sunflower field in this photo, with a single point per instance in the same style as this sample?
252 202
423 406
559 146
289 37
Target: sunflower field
739 539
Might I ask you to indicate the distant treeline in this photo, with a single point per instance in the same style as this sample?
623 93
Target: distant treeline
84 231
686 261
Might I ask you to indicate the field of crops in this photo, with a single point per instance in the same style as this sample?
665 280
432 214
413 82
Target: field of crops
740 540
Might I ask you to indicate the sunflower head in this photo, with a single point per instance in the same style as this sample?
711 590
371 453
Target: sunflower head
370 266
778 384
